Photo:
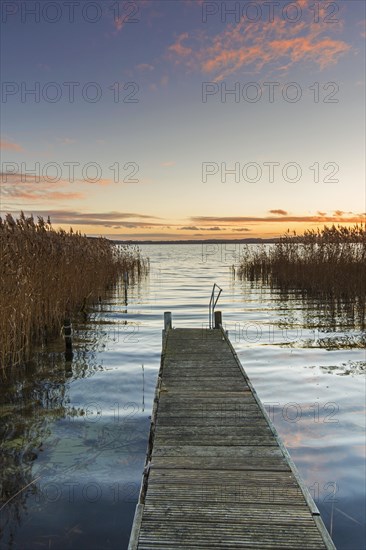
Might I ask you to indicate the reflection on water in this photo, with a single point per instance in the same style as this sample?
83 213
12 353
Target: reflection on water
351 368
62 446
32 398
306 322
333 315
74 433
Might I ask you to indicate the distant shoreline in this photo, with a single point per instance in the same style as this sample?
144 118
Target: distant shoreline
203 241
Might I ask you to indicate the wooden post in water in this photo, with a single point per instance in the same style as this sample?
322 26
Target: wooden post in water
127 282
167 320
218 319
68 339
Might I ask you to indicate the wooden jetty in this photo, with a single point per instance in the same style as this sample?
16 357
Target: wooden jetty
217 474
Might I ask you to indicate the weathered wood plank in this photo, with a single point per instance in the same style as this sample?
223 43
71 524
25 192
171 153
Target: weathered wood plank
207 397
212 476
202 440
229 535
177 405
166 420
217 451
236 512
220 463
218 415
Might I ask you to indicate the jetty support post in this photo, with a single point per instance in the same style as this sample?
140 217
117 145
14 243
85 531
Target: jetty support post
68 339
218 319
167 320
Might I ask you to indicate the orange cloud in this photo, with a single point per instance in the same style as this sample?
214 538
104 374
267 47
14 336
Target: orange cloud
41 195
19 179
8 146
252 46
337 217
97 219
323 52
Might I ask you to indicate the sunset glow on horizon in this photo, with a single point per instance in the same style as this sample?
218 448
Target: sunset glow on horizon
154 120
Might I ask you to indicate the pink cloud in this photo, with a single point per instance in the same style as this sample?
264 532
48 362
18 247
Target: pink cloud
145 67
102 181
132 15
362 24
41 195
194 2
178 49
18 187
8 146
119 23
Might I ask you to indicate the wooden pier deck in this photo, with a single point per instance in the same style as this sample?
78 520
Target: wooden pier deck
217 474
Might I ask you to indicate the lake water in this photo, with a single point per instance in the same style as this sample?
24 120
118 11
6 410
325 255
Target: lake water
74 434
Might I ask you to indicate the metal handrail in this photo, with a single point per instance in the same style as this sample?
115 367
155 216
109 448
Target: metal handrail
212 305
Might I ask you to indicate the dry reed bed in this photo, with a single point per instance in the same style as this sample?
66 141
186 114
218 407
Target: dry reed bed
46 275
328 263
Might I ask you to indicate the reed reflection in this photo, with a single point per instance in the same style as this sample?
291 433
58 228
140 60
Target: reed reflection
35 397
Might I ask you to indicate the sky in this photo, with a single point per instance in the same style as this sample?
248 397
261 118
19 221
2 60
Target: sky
183 119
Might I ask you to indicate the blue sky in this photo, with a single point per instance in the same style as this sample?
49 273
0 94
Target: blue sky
170 141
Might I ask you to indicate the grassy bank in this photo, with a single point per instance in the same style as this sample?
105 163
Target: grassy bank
328 263
47 275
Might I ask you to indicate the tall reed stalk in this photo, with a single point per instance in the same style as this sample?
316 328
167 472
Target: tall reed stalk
329 263
46 275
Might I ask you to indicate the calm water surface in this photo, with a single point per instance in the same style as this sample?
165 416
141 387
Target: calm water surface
74 434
